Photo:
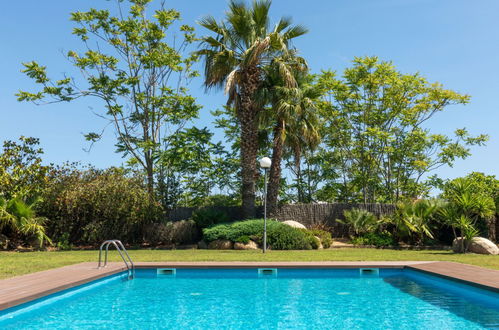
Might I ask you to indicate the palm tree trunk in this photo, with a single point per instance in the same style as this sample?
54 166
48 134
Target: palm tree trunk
275 168
248 119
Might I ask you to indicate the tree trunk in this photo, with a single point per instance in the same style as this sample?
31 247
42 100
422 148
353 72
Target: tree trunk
275 169
248 120
299 180
150 177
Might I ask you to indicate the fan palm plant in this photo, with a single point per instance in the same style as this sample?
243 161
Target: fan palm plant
361 221
235 57
415 218
21 218
293 113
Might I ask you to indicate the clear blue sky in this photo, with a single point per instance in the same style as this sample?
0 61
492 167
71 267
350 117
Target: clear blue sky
455 42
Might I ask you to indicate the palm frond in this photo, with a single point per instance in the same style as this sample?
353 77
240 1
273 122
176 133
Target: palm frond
260 15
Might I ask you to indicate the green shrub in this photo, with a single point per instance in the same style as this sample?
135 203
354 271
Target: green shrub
208 217
243 239
279 235
222 200
216 232
179 232
288 238
324 236
63 244
89 206
376 239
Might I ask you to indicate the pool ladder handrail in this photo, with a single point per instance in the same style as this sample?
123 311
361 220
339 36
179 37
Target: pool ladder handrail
122 251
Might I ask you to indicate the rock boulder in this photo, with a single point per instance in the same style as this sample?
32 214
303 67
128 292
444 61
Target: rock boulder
249 246
294 224
478 245
220 244
202 245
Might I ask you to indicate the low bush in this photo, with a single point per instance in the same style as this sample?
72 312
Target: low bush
377 239
279 235
324 236
177 233
243 239
208 217
288 238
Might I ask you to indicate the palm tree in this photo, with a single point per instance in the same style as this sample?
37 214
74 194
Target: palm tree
21 218
293 111
235 59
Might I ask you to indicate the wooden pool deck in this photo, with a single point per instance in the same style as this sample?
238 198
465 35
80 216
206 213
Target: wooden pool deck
17 290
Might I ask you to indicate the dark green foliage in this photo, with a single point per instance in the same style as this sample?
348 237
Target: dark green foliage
208 217
377 239
324 236
177 233
63 243
279 235
243 239
288 238
222 200
93 205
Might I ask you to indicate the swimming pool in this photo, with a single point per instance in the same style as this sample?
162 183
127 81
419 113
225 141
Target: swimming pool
274 299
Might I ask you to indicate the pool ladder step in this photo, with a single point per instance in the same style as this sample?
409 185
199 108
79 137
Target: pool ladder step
123 253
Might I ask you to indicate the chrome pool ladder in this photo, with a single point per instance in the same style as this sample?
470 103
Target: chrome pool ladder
123 253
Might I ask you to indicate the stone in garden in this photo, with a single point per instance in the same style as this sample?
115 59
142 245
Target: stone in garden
220 244
4 242
249 246
478 245
202 245
320 243
294 224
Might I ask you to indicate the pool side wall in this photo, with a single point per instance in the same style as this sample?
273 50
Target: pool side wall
26 288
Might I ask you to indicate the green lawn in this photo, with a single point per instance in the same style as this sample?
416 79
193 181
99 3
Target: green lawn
17 263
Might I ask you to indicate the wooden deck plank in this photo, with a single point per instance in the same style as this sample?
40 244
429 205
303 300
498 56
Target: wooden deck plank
468 274
21 289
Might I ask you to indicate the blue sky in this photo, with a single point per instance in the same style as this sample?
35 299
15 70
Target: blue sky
455 42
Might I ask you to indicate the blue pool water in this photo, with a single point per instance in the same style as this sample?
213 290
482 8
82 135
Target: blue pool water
237 299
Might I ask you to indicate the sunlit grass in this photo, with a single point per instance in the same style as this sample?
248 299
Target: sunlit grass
18 263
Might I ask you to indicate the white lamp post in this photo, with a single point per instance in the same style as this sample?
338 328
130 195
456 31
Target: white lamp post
265 163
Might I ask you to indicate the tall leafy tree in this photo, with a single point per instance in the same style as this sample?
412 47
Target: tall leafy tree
243 44
22 174
139 76
190 168
375 127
